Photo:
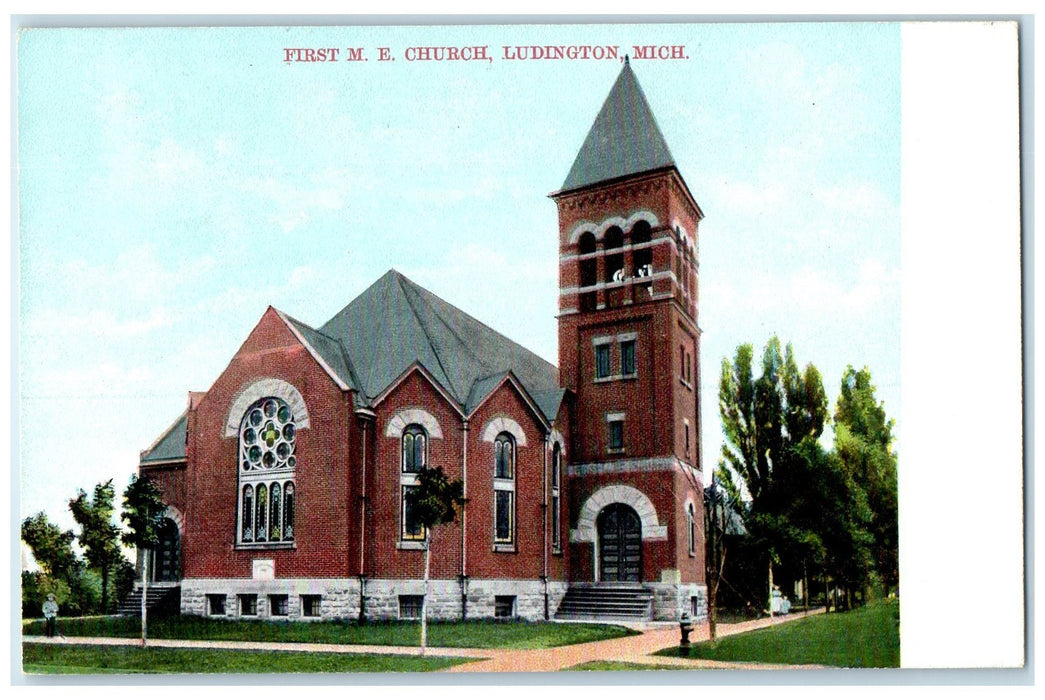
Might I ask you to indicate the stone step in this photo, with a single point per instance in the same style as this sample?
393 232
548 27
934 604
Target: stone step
605 602
158 599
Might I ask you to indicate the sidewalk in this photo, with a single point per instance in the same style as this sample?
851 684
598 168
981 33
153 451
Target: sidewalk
635 649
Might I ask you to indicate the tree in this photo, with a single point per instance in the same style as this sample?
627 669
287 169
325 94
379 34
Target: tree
863 441
60 568
143 510
51 545
99 535
433 502
764 421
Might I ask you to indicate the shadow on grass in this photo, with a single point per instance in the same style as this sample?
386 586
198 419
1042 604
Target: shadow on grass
868 637
84 659
478 634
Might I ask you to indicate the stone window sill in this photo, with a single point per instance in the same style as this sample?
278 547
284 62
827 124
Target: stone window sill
505 548
616 378
254 546
410 545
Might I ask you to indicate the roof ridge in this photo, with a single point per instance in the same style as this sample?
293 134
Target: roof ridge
423 291
427 334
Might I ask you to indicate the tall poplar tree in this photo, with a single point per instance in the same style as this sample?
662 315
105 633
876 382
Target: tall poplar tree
765 420
863 441
99 535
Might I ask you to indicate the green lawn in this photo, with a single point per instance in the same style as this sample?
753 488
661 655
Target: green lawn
478 634
868 637
85 659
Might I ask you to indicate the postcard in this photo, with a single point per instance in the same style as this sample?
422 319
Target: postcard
518 347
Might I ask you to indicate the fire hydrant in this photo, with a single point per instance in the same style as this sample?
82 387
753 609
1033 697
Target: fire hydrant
685 627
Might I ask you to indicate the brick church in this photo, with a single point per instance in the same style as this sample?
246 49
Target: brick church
286 481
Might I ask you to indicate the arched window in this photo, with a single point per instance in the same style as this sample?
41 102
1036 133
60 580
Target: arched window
267 461
415 448
504 449
692 522
504 489
556 480
588 270
642 257
614 240
414 458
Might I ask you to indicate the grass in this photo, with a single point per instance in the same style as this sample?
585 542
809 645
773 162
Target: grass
83 659
475 634
868 637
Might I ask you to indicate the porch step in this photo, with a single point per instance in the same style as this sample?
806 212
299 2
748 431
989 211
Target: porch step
159 599
606 602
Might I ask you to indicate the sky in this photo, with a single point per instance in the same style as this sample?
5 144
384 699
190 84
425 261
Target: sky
174 183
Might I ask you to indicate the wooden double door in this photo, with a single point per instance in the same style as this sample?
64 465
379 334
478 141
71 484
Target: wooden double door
620 544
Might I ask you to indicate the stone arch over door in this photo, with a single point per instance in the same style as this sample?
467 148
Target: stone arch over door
586 530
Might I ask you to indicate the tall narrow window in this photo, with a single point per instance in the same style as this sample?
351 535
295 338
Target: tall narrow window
266 451
504 449
602 361
555 494
247 508
627 358
588 271
412 528
415 448
414 458
504 489
616 435
692 521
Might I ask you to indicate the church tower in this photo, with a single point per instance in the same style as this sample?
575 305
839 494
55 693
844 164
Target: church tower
628 351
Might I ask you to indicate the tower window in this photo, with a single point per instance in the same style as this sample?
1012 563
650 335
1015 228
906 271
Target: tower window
627 358
615 429
691 517
602 361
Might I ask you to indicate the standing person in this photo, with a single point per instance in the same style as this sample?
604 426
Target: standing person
50 614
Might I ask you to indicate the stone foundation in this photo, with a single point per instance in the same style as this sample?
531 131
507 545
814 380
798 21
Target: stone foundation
382 599
670 600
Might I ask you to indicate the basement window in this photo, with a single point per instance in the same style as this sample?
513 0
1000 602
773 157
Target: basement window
310 605
410 607
504 606
248 604
278 605
215 603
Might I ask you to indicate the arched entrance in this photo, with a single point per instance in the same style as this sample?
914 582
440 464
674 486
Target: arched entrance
166 564
620 544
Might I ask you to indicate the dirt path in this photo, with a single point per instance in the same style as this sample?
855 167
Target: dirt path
635 649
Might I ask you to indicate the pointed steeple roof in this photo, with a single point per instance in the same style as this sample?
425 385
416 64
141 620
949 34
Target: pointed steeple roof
624 140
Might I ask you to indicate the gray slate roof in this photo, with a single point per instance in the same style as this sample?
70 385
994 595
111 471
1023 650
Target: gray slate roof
624 140
170 445
395 323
